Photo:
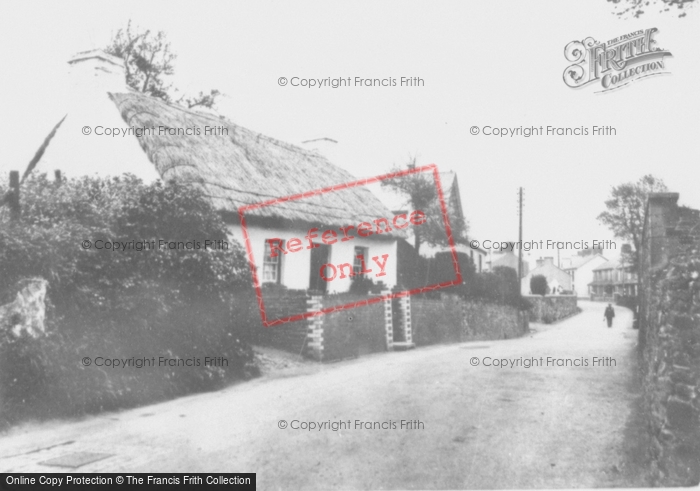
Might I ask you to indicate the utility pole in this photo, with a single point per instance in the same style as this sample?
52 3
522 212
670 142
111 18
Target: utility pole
13 196
520 236
520 257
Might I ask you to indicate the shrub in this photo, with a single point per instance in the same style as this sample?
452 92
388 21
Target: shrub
441 269
361 285
538 285
172 302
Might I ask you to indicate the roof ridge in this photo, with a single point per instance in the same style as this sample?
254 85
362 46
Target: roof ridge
219 119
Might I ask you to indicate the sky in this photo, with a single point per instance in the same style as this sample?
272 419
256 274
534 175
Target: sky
483 63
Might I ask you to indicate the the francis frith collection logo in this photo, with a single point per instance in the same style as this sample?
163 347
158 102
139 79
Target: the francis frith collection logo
615 63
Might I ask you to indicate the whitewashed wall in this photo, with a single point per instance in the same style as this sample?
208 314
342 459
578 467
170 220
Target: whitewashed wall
295 266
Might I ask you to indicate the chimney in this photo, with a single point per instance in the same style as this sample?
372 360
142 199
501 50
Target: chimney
661 213
545 260
97 71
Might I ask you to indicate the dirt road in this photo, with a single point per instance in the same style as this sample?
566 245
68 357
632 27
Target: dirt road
481 426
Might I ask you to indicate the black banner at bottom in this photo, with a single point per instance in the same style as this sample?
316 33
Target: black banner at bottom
118 481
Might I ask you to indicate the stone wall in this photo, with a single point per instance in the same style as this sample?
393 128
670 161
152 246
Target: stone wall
552 308
669 335
327 337
437 320
452 319
490 321
281 303
290 336
368 328
354 332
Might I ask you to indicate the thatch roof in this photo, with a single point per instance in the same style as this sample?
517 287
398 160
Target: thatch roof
244 167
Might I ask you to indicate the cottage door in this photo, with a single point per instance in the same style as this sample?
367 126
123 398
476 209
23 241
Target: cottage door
319 256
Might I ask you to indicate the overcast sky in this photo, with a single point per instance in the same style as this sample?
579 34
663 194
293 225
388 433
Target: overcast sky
497 63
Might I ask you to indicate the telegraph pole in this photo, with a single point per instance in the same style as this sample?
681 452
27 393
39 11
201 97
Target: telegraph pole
520 236
13 195
520 256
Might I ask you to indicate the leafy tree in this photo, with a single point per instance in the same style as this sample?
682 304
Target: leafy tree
508 285
149 61
538 285
625 212
635 7
176 302
421 194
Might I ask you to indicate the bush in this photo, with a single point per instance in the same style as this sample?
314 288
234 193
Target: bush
501 286
362 285
441 269
171 302
538 285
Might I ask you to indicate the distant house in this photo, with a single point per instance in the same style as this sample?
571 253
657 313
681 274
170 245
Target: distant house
509 260
232 166
557 278
581 269
613 279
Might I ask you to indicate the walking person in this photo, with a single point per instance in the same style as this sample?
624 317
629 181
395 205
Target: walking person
609 314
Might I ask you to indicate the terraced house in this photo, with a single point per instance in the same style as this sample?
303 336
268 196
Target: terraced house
612 280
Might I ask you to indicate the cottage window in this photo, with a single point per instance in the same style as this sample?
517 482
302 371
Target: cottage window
357 264
271 272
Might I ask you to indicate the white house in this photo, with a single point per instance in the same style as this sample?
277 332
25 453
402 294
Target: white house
233 167
581 269
557 279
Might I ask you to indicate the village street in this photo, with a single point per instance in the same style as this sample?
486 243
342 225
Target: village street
482 426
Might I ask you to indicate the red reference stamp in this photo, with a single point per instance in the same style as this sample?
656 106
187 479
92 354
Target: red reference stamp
324 239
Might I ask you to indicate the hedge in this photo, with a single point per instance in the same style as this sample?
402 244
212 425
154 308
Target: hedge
175 303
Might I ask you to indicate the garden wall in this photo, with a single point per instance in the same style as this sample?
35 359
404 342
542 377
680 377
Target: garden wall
451 319
327 337
491 321
290 336
550 309
368 328
437 320
669 337
354 332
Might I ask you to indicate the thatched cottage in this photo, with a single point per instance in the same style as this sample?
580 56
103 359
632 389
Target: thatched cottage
232 165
